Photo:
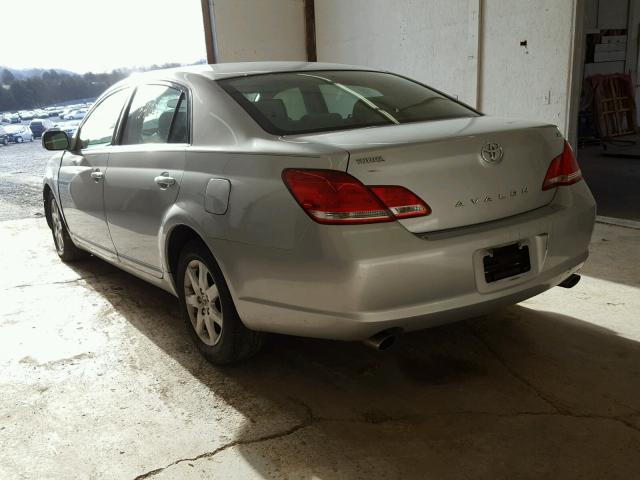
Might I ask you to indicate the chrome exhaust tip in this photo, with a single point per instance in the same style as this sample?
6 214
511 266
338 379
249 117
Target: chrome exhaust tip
570 281
382 341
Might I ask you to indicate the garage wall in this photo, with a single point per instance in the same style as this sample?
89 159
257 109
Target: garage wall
426 40
449 45
254 30
533 80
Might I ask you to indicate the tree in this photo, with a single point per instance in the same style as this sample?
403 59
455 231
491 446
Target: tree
7 76
7 102
53 87
22 94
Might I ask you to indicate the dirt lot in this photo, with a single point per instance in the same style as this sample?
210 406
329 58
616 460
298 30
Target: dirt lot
98 379
21 170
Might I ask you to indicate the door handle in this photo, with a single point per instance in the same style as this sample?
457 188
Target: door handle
97 175
164 180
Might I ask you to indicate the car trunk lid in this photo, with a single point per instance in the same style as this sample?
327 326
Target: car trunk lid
450 165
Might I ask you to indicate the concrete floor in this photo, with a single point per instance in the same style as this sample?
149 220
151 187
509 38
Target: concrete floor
614 180
99 380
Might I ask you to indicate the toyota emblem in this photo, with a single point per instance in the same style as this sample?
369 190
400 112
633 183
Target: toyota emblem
492 153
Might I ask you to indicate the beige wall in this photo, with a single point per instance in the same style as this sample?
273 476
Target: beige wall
252 30
426 40
530 81
449 46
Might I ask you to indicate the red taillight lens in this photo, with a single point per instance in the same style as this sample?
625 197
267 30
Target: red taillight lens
564 170
402 202
329 196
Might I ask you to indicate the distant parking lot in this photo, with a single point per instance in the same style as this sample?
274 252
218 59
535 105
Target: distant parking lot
21 168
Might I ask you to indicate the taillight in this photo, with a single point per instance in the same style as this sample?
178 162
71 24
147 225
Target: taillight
564 170
402 202
330 196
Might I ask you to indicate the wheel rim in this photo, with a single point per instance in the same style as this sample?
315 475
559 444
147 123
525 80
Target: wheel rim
58 229
203 302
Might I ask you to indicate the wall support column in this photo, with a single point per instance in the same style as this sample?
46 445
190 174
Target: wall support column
575 74
310 30
473 93
209 24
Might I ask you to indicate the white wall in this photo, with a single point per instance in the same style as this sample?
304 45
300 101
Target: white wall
424 39
531 81
253 30
443 44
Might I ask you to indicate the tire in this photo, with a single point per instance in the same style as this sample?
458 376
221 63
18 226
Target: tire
5 142
19 140
65 248
226 340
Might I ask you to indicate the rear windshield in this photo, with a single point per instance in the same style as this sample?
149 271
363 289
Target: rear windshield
307 102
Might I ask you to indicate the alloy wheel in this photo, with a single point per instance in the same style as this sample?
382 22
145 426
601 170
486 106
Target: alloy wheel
58 228
203 302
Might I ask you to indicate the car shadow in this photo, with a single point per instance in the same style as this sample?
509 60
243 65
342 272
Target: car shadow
483 398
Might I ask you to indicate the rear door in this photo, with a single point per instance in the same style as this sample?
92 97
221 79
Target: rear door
145 171
82 171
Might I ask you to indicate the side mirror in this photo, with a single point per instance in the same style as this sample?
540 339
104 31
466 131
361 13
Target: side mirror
55 140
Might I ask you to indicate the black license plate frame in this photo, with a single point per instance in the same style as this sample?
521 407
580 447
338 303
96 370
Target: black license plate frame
506 262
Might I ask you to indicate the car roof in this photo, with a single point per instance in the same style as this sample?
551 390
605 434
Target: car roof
225 70
219 71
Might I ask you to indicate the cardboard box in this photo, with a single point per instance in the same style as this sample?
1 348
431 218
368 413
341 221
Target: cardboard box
609 56
610 47
603 68
615 39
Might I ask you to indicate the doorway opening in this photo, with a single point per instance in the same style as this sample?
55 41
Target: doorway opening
608 136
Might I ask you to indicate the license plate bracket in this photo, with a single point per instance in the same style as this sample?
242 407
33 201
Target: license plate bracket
506 262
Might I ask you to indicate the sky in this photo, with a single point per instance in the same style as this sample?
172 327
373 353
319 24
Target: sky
101 35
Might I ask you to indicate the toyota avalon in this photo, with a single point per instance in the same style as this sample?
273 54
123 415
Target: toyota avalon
315 199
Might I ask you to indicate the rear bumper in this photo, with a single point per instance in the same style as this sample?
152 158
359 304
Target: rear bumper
351 282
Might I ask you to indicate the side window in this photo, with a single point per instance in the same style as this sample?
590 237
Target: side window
98 129
157 114
179 129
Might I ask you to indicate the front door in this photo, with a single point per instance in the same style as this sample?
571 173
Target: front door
144 174
82 172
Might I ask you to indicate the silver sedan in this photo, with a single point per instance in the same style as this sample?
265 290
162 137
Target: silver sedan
19 133
316 199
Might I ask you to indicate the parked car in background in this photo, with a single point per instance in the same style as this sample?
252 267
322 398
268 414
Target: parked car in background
316 200
75 115
67 127
26 114
38 126
41 114
19 133
11 118
4 136
53 111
